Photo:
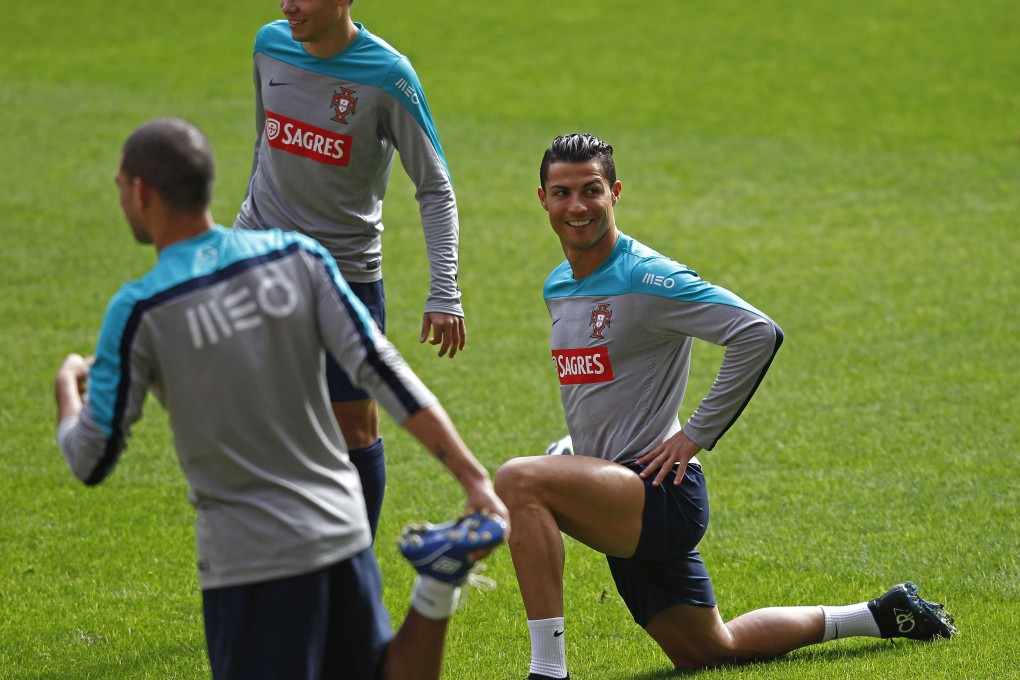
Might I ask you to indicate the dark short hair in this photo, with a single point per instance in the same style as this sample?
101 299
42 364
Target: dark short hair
173 157
578 148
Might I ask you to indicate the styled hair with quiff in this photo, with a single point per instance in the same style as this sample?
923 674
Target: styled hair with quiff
579 148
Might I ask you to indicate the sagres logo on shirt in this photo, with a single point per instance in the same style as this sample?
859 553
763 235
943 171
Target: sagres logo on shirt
308 141
583 366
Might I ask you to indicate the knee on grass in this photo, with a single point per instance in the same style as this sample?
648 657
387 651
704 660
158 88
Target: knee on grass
694 659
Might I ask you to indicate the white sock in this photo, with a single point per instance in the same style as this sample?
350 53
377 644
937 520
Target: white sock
849 621
434 599
548 653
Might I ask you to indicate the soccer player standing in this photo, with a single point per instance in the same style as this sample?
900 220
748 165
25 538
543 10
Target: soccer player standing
228 331
333 103
623 321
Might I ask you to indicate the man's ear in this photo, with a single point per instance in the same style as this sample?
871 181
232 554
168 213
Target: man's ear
541 198
141 192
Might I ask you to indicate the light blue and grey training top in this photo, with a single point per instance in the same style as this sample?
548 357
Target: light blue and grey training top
228 332
327 131
621 346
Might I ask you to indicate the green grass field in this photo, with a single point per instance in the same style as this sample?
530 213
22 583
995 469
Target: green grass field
853 169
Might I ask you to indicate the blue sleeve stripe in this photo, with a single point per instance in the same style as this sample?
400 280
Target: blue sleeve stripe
761 376
412 98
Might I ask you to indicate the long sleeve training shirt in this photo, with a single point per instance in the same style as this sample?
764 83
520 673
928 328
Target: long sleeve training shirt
621 346
228 332
327 131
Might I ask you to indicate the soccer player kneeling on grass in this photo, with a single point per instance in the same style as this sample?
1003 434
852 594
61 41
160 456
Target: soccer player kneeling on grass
623 320
228 331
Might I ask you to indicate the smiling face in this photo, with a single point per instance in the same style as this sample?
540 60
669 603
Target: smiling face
580 199
316 23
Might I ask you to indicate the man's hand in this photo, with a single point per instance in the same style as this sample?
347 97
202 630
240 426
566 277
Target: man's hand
677 449
70 383
483 497
447 329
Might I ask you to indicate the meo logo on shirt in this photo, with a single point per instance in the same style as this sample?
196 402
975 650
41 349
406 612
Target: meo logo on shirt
308 141
583 366
215 319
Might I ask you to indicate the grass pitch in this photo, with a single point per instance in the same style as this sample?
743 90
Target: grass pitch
853 171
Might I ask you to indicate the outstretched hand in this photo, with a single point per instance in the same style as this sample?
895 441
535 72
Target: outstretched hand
659 461
447 329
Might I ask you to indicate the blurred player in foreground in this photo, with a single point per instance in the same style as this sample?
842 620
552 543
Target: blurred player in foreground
623 320
228 331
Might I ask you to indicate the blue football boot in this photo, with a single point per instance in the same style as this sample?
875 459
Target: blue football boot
441 550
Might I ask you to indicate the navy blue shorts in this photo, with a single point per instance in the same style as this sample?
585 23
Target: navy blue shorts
666 570
327 624
373 295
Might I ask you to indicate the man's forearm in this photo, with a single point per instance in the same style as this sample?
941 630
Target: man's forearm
434 429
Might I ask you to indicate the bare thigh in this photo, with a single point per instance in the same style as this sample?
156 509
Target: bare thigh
358 421
592 500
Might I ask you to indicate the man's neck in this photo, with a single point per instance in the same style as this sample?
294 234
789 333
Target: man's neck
336 42
182 228
584 262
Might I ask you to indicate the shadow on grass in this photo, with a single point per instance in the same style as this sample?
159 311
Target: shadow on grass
182 661
819 654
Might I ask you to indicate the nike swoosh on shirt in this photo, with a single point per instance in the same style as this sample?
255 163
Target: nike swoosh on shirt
273 83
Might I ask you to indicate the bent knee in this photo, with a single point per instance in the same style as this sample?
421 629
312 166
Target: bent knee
693 637
508 477
514 479
698 660
713 655
701 655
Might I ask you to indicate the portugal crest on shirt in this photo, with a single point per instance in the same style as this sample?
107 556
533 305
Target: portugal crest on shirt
344 103
601 319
